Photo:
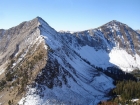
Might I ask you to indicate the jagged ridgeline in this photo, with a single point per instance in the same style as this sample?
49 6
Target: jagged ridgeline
39 65
22 57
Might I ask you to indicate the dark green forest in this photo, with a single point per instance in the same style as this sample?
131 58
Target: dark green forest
127 87
127 90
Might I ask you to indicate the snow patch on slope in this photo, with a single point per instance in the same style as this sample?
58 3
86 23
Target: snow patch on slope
125 61
98 58
117 57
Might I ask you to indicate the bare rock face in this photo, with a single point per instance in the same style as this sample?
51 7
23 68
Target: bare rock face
15 39
39 65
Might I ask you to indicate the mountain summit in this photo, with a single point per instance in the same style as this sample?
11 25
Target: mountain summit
39 65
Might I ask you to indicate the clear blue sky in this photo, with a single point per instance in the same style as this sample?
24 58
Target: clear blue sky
73 15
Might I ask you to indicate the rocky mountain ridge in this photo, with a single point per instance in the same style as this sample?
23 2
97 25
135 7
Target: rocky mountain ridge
63 67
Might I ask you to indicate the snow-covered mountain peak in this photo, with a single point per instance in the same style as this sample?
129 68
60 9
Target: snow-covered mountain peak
68 68
41 21
116 22
39 18
116 25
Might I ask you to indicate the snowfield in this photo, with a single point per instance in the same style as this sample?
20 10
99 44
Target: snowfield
125 61
116 57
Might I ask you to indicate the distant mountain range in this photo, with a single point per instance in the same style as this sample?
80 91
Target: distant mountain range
40 66
138 31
